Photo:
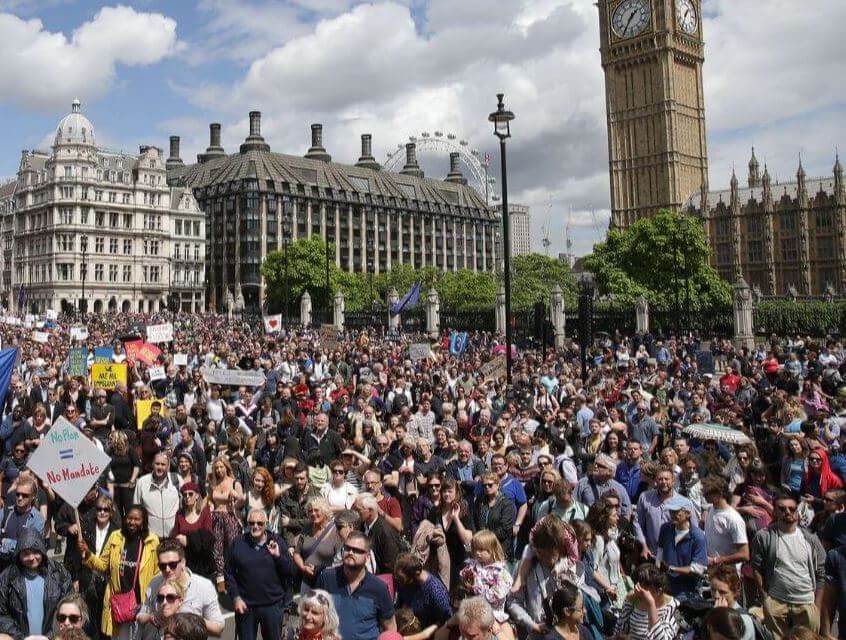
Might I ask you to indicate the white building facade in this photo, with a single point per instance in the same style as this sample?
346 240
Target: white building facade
520 228
97 226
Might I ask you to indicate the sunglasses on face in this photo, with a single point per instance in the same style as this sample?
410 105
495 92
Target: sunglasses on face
256 524
170 598
73 618
104 509
338 471
489 484
354 550
169 565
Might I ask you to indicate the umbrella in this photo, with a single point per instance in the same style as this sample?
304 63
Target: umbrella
718 432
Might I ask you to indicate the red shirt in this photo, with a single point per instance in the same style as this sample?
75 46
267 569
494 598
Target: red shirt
390 506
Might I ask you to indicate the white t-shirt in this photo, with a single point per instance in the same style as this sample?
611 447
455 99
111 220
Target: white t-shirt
724 530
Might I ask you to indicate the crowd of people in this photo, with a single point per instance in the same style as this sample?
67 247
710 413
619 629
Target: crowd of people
356 493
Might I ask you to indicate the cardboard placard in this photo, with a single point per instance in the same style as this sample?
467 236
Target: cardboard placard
329 336
68 462
107 376
79 333
419 351
494 369
157 333
40 336
139 351
180 359
143 410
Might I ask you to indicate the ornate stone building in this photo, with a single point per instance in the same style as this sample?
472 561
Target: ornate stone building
780 237
86 218
652 54
255 198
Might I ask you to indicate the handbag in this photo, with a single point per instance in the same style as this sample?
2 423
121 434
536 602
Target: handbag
124 605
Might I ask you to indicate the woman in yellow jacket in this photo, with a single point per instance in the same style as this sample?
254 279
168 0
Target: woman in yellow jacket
118 561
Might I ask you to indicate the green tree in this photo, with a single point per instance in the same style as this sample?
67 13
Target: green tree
306 271
466 290
534 275
654 258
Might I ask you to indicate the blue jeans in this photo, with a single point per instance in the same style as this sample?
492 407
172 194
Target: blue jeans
269 618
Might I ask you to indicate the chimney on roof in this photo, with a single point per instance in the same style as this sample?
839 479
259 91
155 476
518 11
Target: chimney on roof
455 174
174 160
254 141
367 160
316 151
411 167
214 150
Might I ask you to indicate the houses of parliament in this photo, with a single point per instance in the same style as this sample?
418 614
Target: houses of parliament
782 238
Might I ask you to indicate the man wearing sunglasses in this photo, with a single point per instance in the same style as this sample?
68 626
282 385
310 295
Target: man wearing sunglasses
789 568
200 594
30 590
364 604
259 572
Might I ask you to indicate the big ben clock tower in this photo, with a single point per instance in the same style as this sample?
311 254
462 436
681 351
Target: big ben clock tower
652 53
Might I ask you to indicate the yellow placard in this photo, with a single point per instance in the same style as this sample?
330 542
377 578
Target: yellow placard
143 411
107 376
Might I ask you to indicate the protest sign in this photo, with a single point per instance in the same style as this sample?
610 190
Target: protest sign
233 377
419 351
329 336
180 359
157 333
107 376
494 369
139 351
143 410
78 362
68 462
156 373
40 336
51 314
78 333
103 354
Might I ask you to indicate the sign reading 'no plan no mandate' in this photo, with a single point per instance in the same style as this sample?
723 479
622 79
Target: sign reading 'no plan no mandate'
68 462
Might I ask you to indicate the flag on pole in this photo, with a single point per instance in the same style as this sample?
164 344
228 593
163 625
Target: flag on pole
8 358
409 300
273 324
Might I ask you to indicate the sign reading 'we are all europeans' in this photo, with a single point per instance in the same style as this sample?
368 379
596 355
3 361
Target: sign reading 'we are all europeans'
68 462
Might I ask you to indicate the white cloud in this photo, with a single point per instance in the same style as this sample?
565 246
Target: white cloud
771 79
45 70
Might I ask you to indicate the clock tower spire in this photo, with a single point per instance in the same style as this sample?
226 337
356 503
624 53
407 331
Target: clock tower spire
652 54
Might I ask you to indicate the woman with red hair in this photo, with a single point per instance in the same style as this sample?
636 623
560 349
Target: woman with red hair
262 493
819 478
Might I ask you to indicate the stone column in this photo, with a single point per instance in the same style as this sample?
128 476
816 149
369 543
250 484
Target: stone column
338 315
308 219
744 334
393 298
499 313
556 315
642 315
305 309
433 314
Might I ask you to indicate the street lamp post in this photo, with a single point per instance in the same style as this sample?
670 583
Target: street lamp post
83 303
586 291
501 119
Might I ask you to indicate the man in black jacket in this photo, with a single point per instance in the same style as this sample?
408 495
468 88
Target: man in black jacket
496 512
329 443
33 575
384 539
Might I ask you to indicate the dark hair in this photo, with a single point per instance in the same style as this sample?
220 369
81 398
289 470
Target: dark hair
598 516
145 521
408 564
715 484
565 597
723 623
647 575
185 626
728 574
171 545
300 467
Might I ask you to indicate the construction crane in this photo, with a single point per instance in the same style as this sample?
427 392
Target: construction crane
546 241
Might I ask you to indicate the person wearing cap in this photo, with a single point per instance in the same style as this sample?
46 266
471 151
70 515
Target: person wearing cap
652 507
682 549
31 588
599 482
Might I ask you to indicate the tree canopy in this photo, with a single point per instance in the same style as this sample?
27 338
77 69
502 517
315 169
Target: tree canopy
533 276
654 258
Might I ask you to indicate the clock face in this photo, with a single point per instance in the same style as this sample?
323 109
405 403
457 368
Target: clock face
686 16
630 18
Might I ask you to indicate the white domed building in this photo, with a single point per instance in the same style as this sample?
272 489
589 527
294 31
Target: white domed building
86 226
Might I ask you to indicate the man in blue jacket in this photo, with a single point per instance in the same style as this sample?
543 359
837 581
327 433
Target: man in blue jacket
682 550
259 573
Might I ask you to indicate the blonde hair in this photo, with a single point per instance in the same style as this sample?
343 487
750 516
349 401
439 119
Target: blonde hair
174 584
486 540
118 442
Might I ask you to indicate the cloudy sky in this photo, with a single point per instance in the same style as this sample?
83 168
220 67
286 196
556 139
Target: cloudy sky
148 69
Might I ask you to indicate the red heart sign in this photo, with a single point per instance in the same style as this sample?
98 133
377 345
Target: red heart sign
273 323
